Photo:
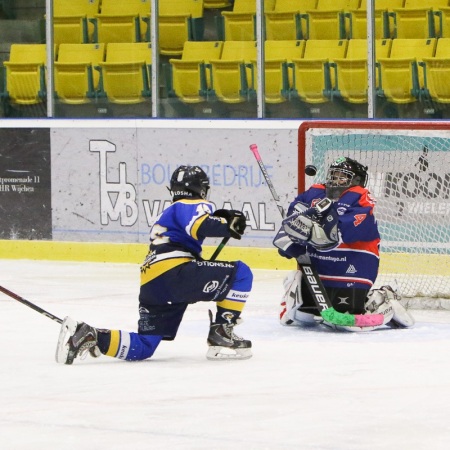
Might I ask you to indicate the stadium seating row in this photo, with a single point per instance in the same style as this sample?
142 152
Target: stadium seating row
338 19
118 72
83 21
314 71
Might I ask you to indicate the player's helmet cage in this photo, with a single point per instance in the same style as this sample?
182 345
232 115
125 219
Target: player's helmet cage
189 182
342 174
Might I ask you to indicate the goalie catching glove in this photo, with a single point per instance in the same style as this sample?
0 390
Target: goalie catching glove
235 219
317 226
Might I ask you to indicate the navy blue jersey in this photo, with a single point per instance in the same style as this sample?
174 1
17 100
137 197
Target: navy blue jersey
354 262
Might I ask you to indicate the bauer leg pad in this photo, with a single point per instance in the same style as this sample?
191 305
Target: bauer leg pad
292 301
402 317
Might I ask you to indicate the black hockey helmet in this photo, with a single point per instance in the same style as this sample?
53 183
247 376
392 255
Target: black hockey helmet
344 173
189 182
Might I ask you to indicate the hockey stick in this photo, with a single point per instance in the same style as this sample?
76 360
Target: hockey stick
311 277
57 319
30 305
219 248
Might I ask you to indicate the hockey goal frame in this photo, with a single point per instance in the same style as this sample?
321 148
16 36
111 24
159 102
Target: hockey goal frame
427 261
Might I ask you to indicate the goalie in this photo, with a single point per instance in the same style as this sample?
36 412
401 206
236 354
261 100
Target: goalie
334 225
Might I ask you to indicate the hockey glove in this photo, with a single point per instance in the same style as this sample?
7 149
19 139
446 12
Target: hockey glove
317 226
235 219
286 247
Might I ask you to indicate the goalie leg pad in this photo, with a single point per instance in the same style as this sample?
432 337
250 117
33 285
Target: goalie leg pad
402 317
292 301
292 298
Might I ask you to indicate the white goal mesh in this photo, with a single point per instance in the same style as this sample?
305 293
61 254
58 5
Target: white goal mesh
409 176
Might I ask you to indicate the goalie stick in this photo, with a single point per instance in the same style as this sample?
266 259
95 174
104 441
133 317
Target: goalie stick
311 277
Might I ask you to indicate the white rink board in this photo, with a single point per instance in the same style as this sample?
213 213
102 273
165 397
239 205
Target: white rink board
108 184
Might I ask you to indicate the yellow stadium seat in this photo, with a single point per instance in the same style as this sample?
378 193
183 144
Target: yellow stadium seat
239 26
70 20
283 22
350 72
413 23
323 25
126 72
121 21
173 33
283 25
399 78
233 74
217 4
278 74
437 73
249 6
76 81
294 5
25 74
383 27
342 5
435 4
179 21
328 20
358 24
443 22
311 83
191 75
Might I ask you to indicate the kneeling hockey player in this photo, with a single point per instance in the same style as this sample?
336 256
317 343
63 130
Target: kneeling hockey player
334 224
173 276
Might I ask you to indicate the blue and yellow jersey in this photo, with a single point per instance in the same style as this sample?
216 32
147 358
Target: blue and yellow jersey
177 236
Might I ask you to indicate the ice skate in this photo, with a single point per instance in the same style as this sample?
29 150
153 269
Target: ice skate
224 344
75 339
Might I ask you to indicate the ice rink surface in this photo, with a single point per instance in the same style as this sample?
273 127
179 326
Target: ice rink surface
304 388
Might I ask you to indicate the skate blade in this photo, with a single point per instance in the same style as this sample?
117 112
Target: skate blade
217 353
68 328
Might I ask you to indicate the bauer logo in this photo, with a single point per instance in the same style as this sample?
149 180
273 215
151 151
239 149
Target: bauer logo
211 286
314 287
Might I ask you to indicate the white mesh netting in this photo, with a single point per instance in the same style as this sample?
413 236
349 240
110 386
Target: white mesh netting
409 176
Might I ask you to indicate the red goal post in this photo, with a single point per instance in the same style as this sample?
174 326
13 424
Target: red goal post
409 176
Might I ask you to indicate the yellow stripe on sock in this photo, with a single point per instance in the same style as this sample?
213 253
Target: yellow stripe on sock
231 304
114 343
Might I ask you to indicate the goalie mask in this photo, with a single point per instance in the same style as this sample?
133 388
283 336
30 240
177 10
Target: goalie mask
189 182
342 174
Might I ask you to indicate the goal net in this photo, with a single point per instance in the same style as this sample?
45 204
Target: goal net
409 176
